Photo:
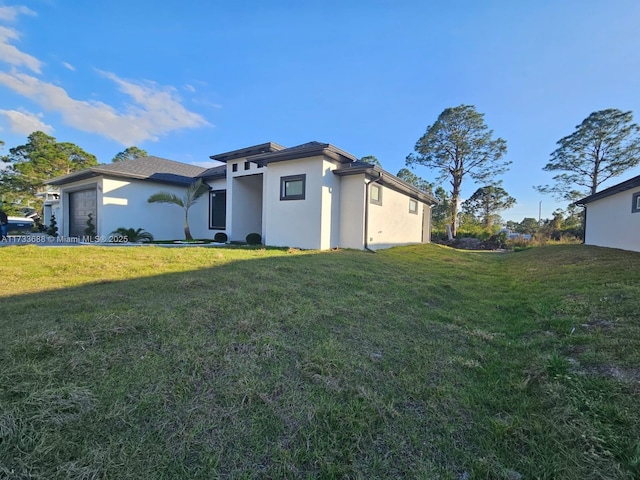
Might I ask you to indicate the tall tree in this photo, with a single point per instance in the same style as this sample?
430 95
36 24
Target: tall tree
460 144
372 159
40 159
603 146
129 153
487 202
413 179
441 213
191 196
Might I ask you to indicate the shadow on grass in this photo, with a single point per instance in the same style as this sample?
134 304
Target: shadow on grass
419 362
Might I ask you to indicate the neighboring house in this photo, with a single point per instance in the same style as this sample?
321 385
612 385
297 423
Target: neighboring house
313 196
612 216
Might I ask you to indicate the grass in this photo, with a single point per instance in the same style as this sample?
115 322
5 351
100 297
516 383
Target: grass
415 362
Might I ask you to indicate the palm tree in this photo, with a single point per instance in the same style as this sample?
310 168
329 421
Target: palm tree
132 235
191 196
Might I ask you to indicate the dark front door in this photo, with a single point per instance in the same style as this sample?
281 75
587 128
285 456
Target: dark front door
81 204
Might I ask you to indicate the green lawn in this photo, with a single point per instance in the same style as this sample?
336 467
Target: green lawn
415 362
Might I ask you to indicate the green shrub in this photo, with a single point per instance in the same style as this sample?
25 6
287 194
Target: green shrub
500 239
220 237
53 226
254 239
91 227
131 235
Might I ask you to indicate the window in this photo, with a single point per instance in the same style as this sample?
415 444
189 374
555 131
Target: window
376 194
247 165
234 167
635 207
413 206
218 210
292 187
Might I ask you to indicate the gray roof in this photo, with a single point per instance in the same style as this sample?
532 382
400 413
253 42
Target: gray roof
607 192
247 151
214 172
385 178
144 168
309 149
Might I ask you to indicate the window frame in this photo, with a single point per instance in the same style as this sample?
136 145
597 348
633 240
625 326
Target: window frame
234 167
377 188
635 205
293 178
211 202
413 211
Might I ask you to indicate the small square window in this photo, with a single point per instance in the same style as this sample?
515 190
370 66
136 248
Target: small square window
293 187
234 167
376 194
635 206
413 206
247 165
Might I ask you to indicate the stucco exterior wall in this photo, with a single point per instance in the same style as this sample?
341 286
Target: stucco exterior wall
330 212
296 223
391 223
123 203
244 199
247 206
611 223
352 193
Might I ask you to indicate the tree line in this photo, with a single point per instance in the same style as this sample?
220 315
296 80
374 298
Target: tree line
42 158
459 146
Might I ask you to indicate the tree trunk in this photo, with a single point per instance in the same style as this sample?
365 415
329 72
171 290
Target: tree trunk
455 201
187 231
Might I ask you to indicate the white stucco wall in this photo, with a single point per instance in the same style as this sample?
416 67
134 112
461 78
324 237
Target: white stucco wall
123 203
391 223
330 211
295 223
244 199
610 222
352 193
247 206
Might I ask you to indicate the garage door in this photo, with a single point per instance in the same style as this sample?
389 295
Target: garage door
81 204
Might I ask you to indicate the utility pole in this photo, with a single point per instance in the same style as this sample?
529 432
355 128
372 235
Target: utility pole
540 212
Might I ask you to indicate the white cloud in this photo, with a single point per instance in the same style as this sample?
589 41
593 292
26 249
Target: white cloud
156 110
11 55
190 88
25 123
153 110
9 14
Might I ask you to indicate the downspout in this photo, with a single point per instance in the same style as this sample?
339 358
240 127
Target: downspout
584 227
366 212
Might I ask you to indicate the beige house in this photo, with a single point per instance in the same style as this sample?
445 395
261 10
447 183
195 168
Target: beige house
313 196
612 216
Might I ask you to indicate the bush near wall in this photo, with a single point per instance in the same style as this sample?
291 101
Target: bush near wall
220 237
254 239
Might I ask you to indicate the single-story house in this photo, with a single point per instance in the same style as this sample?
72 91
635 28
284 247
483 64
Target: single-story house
612 216
313 196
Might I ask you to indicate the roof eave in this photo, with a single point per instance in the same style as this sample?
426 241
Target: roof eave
619 188
389 180
326 150
247 152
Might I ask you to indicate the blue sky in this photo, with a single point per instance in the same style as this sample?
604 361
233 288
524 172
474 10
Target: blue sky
185 80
